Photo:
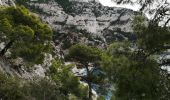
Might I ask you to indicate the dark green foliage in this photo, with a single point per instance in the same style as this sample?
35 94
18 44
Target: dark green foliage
10 88
69 82
135 79
13 88
27 36
30 52
63 3
84 54
44 89
151 36
21 2
24 2
60 85
138 81
135 71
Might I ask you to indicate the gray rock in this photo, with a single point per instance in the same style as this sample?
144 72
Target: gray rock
85 15
7 3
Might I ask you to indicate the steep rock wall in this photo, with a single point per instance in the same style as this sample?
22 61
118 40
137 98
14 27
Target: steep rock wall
109 23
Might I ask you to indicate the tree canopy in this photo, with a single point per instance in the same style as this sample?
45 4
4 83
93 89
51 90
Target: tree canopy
84 53
87 54
135 69
69 82
26 35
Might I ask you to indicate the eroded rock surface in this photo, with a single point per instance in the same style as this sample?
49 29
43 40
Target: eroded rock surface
7 3
105 22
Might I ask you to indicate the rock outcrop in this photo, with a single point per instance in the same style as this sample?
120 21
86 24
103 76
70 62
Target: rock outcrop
89 15
7 3
16 68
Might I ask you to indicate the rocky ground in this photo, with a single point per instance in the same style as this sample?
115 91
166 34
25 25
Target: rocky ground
96 22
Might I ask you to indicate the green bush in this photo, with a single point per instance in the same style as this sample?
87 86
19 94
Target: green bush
70 83
10 88
27 36
13 88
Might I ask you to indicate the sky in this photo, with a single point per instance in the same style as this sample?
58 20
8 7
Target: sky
109 3
112 4
134 7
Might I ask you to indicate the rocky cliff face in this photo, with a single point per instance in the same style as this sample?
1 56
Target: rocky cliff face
7 2
99 21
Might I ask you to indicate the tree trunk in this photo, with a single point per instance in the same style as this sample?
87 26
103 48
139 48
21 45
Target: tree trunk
44 95
89 83
90 91
4 50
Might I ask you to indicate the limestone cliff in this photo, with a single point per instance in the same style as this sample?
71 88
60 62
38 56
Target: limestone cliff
99 25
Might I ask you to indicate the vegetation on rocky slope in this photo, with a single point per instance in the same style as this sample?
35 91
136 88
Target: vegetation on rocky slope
13 88
25 35
131 71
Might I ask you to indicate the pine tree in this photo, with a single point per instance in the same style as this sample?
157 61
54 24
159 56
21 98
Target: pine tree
26 36
134 69
86 54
